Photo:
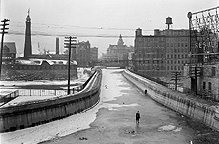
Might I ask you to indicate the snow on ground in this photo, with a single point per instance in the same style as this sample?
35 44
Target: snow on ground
21 99
6 87
74 123
11 84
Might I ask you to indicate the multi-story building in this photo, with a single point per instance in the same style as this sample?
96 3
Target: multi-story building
162 53
94 55
150 54
8 53
83 52
201 73
117 55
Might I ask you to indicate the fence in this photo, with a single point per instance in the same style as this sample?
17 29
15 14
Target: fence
42 92
9 97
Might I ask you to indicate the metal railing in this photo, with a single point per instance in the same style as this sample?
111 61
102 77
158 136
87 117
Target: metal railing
43 92
9 96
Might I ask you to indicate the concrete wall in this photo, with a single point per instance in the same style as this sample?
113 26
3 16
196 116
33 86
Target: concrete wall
209 115
32 114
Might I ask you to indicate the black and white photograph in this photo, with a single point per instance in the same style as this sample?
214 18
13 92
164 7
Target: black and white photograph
109 72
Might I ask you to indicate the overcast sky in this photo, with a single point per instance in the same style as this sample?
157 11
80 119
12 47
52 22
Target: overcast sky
98 21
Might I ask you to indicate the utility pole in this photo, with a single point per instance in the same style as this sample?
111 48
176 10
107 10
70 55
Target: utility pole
3 32
71 43
175 77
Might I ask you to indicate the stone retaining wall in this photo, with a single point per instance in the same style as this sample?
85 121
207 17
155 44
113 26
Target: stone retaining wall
35 113
209 115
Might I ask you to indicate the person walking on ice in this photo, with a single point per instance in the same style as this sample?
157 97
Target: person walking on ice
138 117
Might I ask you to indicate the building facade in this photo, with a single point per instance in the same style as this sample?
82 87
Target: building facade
83 54
94 55
9 53
117 55
161 54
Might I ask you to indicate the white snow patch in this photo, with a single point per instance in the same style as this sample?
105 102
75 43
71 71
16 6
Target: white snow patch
177 129
169 128
166 128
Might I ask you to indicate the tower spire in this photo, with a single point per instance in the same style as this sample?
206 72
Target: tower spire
27 43
120 41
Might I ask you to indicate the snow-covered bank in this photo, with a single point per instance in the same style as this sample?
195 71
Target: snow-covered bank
110 91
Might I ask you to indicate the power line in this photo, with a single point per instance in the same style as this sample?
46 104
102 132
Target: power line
64 35
75 26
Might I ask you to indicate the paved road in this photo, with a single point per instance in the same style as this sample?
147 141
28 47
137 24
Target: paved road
115 122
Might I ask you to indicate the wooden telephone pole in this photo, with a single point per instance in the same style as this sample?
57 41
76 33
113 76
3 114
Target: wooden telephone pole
71 43
3 32
175 77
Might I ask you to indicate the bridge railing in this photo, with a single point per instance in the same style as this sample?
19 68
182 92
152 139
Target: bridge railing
9 97
43 92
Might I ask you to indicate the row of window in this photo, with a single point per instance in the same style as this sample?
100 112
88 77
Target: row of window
174 39
177 50
176 62
175 56
152 67
179 68
64 67
177 44
149 39
150 62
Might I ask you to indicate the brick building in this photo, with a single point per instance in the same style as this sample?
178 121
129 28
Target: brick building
161 54
83 54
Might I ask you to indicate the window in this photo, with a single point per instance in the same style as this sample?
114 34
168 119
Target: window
204 85
171 44
209 86
213 71
179 68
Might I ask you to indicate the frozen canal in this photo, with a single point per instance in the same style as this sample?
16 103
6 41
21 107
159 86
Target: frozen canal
112 121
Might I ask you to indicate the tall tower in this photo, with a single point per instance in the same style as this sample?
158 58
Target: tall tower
120 41
27 43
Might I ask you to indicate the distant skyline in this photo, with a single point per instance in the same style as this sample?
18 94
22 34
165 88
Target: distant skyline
98 21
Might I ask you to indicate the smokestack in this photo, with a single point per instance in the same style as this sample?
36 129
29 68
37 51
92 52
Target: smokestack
57 45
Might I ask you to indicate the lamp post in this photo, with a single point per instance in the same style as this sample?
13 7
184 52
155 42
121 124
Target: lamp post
71 42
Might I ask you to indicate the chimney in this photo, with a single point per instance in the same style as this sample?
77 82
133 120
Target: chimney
57 45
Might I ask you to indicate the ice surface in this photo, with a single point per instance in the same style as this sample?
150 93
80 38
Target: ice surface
53 130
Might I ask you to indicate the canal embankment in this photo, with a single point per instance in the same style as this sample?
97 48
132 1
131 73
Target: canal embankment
32 113
204 112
